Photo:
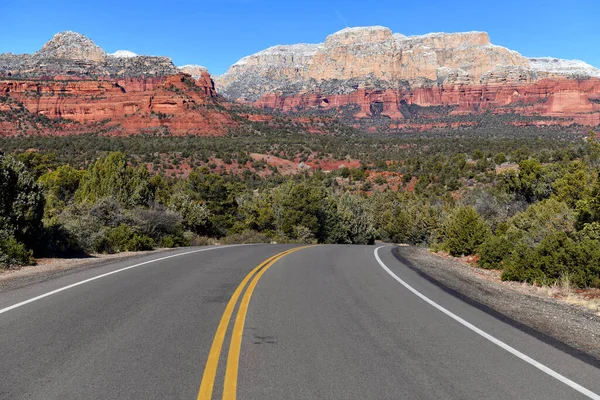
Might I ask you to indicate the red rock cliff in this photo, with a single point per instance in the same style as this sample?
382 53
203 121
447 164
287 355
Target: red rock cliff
127 106
574 100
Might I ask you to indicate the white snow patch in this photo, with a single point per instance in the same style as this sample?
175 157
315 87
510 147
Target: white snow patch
124 54
564 67
295 50
192 66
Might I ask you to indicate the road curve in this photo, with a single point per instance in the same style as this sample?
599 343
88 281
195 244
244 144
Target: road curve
322 322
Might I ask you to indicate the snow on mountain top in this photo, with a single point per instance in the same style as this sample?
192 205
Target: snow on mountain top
565 67
358 29
123 54
300 49
192 66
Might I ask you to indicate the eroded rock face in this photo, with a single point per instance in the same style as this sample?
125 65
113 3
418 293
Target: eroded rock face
369 55
176 104
372 66
71 46
196 71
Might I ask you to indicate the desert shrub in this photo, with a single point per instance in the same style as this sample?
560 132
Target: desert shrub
196 240
87 231
13 253
157 223
195 214
21 202
494 251
464 231
108 212
168 242
540 220
124 238
113 177
246 237
575 184
139 242
304 235
60 187
493 205
257 212
533 181
171 241
556 256
405 218
99 242
352 222
590 231
298 205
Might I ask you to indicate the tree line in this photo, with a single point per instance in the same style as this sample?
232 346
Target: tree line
535 214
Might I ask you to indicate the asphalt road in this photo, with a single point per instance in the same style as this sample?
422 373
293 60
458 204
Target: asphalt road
323 322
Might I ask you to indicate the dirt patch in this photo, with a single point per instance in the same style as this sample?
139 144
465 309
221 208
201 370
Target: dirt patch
547 316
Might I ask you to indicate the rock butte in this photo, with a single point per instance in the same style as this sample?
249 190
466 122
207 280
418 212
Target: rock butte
74 79
373 66
126 106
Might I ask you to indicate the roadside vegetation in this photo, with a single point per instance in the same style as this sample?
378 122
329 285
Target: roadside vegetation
528 205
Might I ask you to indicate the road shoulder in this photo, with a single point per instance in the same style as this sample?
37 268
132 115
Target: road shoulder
54 267
571 328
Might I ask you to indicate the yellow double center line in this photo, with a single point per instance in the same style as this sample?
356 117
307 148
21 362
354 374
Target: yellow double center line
231 372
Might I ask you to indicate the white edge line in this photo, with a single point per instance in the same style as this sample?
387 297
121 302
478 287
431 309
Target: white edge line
489 337
62 289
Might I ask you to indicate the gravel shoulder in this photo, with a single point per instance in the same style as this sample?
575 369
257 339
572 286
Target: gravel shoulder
570 327
48 268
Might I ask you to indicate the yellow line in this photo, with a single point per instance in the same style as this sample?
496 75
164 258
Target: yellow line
210 371
231 373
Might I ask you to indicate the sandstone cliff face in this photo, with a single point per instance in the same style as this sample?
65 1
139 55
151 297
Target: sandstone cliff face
371 57
373 66
177 104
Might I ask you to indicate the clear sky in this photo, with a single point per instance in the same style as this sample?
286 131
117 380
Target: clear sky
219 32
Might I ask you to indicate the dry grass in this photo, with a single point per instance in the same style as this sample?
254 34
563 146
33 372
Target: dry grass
563 290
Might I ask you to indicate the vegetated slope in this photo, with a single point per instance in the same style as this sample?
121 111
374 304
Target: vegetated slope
388 75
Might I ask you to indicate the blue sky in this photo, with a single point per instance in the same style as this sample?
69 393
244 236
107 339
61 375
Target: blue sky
219 32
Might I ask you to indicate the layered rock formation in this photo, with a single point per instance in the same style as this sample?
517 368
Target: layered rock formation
382 72
72 86
175 104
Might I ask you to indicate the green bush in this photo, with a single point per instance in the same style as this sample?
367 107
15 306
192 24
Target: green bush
494 251
21 202
171 241
124 238
139 242
464 231
555 257
13 253
354 220
113 177
404 218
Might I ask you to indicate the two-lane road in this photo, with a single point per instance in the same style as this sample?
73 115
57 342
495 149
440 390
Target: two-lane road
264 322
